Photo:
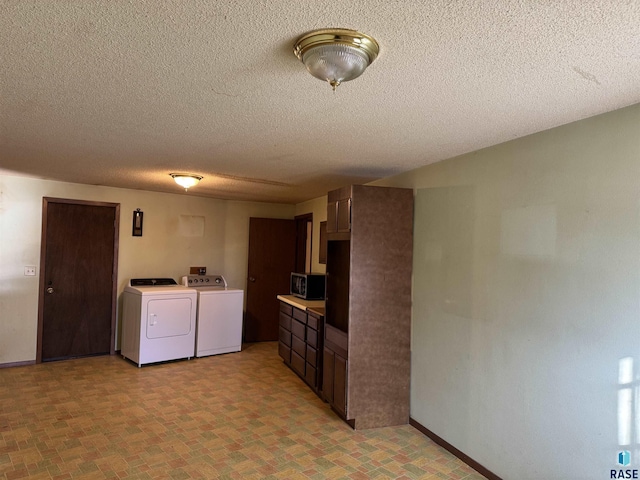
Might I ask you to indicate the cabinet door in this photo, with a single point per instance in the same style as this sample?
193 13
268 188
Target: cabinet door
328 359
332 217
344 215
310 375
340 385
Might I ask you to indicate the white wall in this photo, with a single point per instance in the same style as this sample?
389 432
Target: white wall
163 250
526 300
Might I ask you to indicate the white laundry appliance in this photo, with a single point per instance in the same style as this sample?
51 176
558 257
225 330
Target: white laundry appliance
158 320
219 318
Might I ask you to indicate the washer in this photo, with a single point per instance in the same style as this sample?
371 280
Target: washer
158 320
219 317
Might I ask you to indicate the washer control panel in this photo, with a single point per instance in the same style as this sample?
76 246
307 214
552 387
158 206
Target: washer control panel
204 281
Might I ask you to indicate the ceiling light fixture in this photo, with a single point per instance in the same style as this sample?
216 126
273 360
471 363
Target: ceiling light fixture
336 55
186 180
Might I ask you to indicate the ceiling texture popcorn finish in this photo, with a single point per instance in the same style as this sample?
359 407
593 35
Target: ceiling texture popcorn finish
123 93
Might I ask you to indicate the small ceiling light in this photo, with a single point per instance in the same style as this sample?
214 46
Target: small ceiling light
336 55
186 180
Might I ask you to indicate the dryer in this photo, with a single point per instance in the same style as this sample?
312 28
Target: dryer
219 318
158 320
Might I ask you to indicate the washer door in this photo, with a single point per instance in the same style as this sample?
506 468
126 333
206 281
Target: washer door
169 317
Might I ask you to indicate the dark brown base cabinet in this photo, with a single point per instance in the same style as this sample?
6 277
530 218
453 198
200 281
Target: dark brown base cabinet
300 343
367 356
334 383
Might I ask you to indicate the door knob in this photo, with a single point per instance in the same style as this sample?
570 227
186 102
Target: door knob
252 279
50 290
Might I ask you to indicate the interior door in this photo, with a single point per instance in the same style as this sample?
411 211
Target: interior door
78 271
272 256
304 225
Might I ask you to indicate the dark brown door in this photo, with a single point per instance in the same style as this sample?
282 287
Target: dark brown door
304 224
77 281
272 255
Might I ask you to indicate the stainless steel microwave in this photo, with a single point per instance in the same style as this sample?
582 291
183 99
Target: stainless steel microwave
309 286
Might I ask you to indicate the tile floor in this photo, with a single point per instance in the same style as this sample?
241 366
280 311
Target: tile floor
236 416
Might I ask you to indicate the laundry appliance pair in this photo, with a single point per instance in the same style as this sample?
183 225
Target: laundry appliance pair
163 321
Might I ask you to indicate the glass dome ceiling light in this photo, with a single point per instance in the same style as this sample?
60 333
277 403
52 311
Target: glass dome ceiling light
336 55
186 180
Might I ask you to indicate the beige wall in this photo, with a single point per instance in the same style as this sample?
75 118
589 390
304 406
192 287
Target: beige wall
526 300
163 250
317 206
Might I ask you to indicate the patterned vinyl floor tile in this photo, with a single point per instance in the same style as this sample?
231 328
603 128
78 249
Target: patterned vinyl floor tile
237 416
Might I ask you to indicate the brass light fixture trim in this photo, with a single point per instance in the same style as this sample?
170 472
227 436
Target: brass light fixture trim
345 53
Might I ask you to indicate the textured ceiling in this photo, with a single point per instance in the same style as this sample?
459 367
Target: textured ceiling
122 93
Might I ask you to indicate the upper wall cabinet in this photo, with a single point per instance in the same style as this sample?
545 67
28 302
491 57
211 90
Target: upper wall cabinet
339 211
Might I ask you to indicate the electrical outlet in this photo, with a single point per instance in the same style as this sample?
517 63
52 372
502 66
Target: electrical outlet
30 271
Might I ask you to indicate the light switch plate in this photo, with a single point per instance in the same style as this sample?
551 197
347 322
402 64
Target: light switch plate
30 271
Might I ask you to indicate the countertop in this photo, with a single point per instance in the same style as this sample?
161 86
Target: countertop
315 305
317 310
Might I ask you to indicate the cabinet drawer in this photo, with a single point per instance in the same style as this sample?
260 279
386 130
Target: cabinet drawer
284 336
310 375
285 321
286 308
312 337
312 321
298 329
284 352
297 363
300 315
312 356
298 346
